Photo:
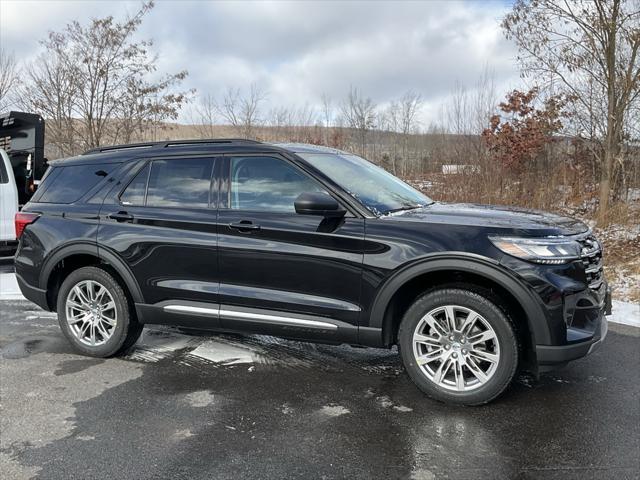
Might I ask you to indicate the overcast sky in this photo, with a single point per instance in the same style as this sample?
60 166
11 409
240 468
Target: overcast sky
299 50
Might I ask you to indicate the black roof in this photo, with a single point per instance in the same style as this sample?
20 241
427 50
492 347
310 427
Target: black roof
120 153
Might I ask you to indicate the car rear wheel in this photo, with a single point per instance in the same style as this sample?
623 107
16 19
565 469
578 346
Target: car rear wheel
458 346
95 314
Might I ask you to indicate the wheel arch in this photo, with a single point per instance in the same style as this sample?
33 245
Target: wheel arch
71 257
411 280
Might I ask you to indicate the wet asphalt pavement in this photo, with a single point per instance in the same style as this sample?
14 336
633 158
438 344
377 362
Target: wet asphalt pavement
207 406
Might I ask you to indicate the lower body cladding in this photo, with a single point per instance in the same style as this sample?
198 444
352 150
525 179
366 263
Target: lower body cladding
228 318
585 316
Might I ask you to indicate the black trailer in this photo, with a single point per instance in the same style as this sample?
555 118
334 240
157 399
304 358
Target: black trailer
22 137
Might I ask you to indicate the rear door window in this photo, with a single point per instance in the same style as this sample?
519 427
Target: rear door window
67 184
171 183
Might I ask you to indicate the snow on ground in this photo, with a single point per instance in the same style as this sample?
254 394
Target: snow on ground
9 287
627 313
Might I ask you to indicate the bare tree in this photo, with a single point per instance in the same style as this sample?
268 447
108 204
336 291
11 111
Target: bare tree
9 75
327 116
101 79
410 106
390 120
359 113
51 89
207 116
590 49
242 111
279 119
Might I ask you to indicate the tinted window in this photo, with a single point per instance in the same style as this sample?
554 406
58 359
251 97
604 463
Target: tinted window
372 186
70 183
267 183
181 182
134 193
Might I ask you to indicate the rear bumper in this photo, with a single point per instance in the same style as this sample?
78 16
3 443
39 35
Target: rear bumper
36 295
587 340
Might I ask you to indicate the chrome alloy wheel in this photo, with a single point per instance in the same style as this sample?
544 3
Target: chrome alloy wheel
456 348
91 313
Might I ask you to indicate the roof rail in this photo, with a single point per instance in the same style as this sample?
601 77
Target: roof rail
171 143
120 147
179 143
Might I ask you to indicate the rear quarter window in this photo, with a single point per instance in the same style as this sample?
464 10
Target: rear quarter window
67 184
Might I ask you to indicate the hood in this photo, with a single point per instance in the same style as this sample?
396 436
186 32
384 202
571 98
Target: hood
519 220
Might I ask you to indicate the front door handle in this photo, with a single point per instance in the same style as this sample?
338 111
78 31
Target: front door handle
244 226
121 217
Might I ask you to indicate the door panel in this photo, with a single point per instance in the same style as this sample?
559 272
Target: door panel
171 249
282 261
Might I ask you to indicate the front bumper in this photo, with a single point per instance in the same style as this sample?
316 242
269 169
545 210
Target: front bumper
583 336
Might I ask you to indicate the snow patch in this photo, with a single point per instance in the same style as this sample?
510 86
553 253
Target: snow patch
402 408
200 399
182 434
626 313
422 474
384 401
9 289
224 354
155 345
334 410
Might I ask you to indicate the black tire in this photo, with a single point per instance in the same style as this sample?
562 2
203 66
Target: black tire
485 305
126 331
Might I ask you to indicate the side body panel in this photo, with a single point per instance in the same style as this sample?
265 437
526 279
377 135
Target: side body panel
287 262
171 252
8 199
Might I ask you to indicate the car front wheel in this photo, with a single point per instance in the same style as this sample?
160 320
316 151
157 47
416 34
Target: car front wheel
458 346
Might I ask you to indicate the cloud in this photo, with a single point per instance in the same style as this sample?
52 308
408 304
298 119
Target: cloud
299 50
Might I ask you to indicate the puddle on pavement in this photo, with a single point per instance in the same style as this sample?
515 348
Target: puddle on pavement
77 365
32 345
202 349
208 349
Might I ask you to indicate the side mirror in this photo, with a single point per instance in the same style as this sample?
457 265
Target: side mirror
318 203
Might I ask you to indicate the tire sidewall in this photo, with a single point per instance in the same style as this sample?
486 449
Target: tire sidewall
500 323
121 304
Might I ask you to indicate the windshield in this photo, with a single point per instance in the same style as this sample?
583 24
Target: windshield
374 187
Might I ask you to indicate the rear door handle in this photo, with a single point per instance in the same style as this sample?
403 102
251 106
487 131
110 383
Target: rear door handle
121 217
244 226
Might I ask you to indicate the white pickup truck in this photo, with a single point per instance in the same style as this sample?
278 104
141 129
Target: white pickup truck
8 203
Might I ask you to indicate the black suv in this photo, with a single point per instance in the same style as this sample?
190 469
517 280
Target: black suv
308 243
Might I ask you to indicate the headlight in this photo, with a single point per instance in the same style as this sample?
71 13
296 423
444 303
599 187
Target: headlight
551 251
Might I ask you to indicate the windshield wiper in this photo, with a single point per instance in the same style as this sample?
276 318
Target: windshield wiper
404 207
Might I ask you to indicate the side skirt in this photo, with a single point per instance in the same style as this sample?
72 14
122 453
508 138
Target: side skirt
210 316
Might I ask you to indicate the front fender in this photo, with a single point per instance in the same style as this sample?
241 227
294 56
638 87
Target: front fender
490 269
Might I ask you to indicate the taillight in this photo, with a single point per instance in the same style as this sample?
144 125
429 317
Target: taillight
22 219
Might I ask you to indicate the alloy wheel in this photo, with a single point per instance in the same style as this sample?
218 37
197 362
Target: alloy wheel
456 348
91 313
